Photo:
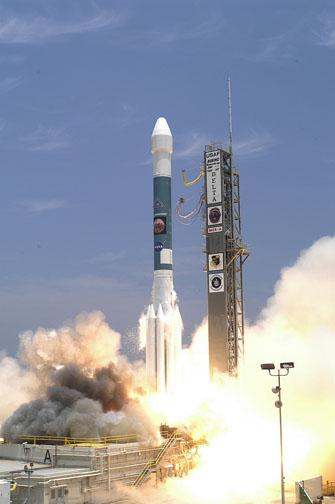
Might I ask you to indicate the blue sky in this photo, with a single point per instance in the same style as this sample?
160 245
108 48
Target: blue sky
81 85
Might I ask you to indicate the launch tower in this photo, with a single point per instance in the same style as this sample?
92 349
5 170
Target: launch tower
225 255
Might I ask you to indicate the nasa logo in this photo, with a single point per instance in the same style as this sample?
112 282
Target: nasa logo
158 246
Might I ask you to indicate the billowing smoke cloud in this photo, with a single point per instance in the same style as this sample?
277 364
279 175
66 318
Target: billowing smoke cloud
84 386
89 342
106 386
298 324
239 418
18 385
79 405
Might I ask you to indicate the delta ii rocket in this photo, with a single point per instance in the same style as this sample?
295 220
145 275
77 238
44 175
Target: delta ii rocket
163 325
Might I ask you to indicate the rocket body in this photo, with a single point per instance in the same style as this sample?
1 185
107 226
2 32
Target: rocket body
161 148
164 325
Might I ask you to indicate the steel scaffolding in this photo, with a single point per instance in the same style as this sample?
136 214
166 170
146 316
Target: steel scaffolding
235 254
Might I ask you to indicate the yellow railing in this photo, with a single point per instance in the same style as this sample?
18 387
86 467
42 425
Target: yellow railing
71 441
328 488
152 464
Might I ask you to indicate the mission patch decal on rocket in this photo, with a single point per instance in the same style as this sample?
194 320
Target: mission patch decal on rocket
160 224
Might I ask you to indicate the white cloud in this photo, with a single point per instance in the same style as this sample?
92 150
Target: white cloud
46 139
9 83
193 148
126 116
283 46
105 257
12 59
34 30
38 206
210 27
256 143
199 32
269 49
326 37
274 49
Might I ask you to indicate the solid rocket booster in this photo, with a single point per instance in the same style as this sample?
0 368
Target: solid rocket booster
164 324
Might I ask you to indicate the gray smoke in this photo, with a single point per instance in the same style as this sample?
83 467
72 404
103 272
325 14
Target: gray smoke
80 405
106 386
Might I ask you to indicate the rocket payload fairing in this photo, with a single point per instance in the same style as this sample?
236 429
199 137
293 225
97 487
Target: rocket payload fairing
163 325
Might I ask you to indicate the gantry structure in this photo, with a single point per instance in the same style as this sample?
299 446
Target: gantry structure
225 256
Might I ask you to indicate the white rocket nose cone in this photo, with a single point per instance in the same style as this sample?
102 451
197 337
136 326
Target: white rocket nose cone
161 127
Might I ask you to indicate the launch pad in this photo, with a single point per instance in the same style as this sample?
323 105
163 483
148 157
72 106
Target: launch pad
88 472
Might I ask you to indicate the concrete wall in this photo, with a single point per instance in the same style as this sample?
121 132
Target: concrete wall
46 454
53 493
4 492
97 482
312 486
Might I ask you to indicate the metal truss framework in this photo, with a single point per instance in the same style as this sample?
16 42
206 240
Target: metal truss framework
234 256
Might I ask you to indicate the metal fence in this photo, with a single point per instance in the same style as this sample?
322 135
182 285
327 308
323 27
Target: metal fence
72 441
328 488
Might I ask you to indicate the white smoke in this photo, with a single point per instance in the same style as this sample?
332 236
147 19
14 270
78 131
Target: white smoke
142 331
18 385
242 463
298 324
88 342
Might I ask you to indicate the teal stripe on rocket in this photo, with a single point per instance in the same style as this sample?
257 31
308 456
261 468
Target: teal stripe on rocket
162 220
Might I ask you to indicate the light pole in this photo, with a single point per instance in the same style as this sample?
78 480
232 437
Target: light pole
286 366
28 471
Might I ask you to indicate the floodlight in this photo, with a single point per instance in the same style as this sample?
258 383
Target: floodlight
267 366
287 365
